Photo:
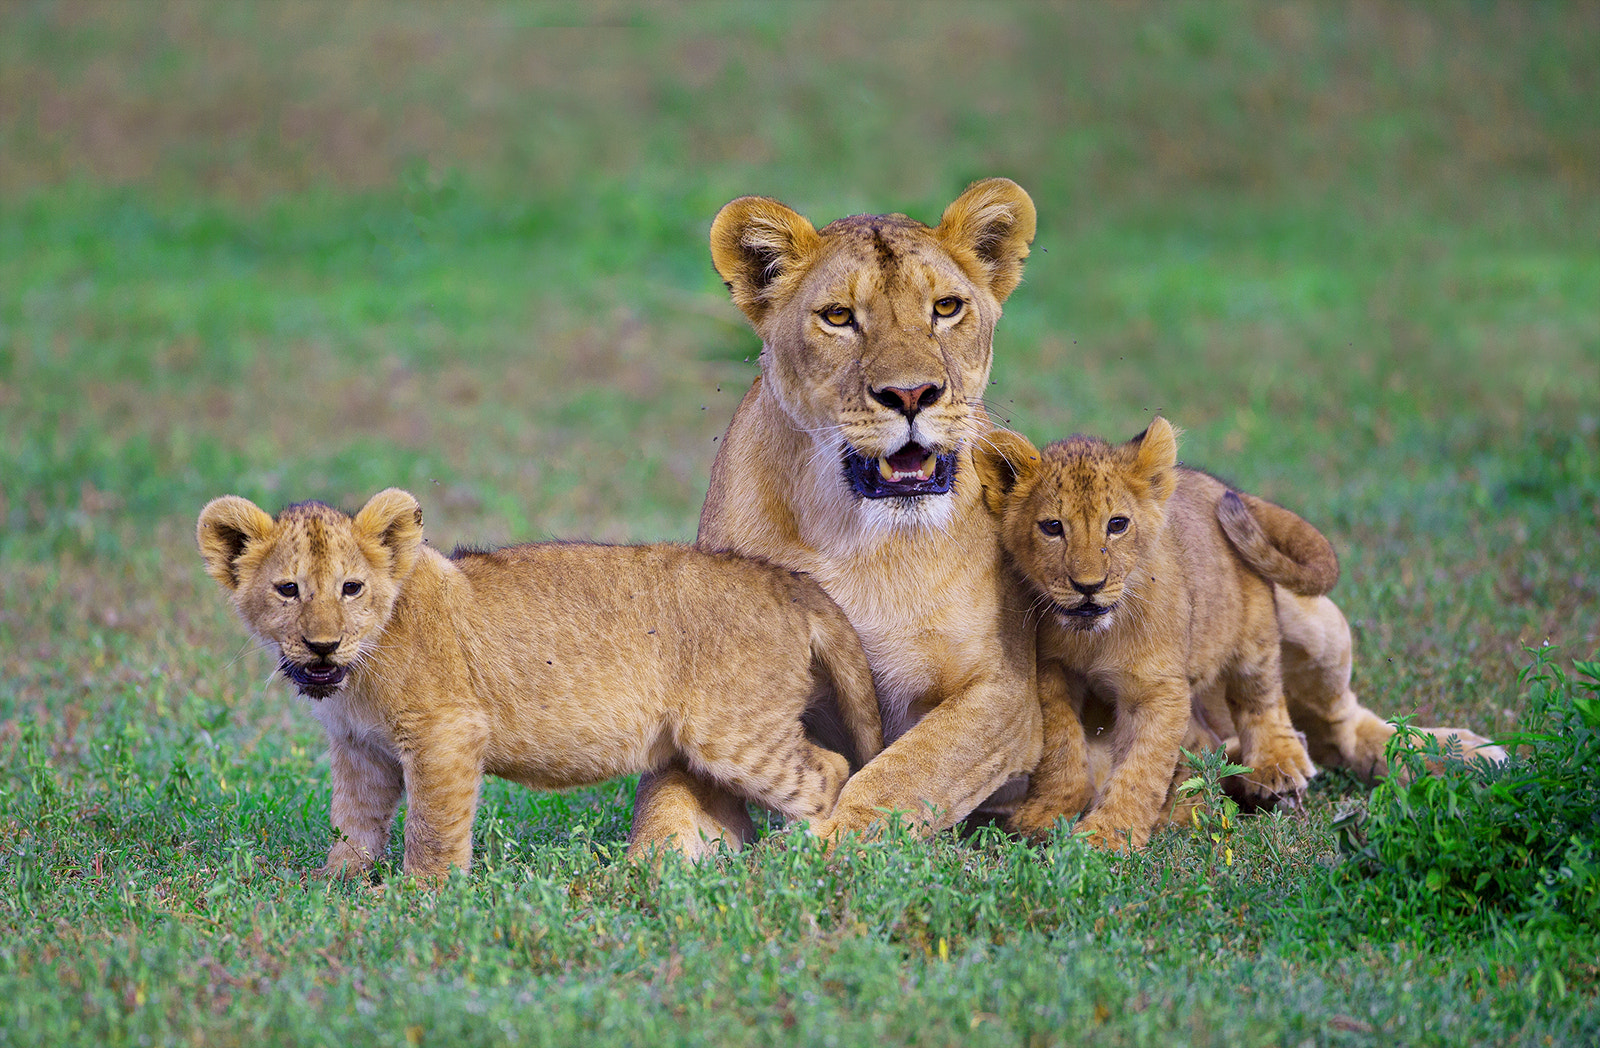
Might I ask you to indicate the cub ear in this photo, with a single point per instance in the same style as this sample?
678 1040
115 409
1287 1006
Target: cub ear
760 248
1153 458
1003 460
991 224
391 521
228 525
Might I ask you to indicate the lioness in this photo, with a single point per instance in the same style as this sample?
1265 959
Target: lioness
1154 585
553 665
850 458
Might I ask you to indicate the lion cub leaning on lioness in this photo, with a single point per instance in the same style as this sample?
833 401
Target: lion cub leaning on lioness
1156 588
553 665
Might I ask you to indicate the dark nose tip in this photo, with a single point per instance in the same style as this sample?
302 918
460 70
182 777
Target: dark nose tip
321 649
908 401
1088 589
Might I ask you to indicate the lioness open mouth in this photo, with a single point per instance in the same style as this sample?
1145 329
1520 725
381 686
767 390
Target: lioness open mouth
318 681
913 470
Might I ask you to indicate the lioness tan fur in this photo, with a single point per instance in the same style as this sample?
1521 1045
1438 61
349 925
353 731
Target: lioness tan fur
1154 586
850 458
553 665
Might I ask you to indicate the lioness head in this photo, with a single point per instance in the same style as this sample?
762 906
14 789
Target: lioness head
315 585
877 332
1078 517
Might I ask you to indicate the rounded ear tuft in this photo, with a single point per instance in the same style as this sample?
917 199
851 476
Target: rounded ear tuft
1003 459
992 223
1154 455
392 519
227 526
759 246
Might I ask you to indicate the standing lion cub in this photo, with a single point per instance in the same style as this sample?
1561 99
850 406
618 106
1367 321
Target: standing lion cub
552 664
1155 585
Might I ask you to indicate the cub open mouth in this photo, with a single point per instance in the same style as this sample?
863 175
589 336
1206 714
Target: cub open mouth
913 470
318 681
1082 615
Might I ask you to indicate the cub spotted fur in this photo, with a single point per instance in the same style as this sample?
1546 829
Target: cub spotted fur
553 665
850 458
1155 585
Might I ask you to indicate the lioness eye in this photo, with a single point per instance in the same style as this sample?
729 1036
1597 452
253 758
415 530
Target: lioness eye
1116 525
838 316
1050 527
352 588
287 589
948 306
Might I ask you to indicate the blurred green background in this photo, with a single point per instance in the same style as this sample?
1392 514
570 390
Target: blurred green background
293 250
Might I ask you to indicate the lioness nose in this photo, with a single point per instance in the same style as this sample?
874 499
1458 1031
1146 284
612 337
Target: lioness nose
321 648
1088 589
908 401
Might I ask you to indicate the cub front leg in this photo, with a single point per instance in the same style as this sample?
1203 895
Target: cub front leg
443 774
366 790
1061 785
1152 714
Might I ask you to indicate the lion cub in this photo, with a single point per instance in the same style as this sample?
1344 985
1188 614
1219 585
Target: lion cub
1157 587
553 665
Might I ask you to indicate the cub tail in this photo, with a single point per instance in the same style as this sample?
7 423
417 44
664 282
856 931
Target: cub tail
836 647
1278 544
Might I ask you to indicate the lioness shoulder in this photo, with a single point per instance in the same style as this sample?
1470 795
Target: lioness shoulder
551 664
1155 590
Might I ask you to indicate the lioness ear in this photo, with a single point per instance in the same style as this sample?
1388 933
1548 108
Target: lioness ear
228 525
392 520
1154 458
1003 459
991 224
759 247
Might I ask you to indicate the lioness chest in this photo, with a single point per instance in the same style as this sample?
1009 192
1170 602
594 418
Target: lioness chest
929 624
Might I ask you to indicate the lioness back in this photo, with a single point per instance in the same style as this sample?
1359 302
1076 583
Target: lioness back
554 664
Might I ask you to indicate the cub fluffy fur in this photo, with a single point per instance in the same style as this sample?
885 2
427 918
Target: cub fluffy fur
553 665
1155 587
850 458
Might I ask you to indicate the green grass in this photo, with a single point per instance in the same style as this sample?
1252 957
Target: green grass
297 251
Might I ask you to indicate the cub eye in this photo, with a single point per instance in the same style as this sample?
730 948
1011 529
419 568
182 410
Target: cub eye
1116 525
948 306
1051 528
838 316
352 588
287 589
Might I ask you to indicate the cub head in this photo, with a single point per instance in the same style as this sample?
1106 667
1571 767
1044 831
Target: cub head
1078 517
316 585
877 333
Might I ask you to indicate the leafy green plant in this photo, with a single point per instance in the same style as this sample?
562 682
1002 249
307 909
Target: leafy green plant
1213 814
1449 845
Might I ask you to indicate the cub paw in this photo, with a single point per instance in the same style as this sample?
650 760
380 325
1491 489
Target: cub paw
1281 771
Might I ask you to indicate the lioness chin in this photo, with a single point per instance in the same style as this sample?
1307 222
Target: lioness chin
552 664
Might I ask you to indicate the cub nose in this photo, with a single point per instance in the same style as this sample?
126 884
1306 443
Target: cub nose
1088 589
321 648
908 401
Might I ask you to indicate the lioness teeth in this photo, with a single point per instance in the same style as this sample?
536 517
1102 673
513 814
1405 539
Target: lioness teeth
922 472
